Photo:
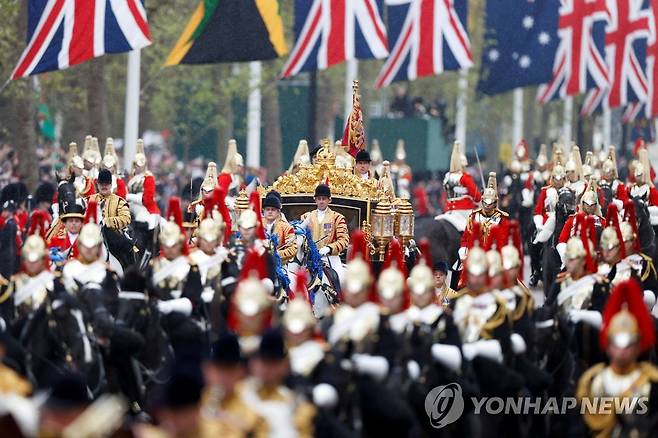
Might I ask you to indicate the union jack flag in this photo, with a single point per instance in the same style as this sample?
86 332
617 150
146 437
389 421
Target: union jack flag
579 64
625 47
329 32
62 33
652 63
430 38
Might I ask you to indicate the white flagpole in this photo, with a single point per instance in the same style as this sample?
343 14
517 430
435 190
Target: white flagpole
460 118
131 125
351 73
518 115
607 126
566 123
253 115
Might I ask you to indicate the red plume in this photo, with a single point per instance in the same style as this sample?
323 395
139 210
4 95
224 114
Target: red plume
254 202
91 215
639 144
38 223
300 291
359 246
219 199
394 255
253 262
630 216
612 220
175 213
425 253
629 294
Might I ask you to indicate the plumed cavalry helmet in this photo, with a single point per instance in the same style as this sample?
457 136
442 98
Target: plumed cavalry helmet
299 315
611 235
476 261
391 282
110 157
400 152
610 164
251 297
643 167
588 168
172 232
358 276
90 234
626 319
210 229
542 156
140 154
34 248
558 173
210 181
490 195
591 197
421 278
233 158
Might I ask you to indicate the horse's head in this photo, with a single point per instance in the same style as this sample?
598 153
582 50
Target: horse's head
546 329
65 196
566 202
644 229
608 196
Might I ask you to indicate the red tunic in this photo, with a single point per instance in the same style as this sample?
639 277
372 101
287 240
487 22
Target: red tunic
567 230
468 201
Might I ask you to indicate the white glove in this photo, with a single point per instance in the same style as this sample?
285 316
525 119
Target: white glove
538 219
518 343
413 370
230 202
527 198
325 396
179 305
562 250
373 366
447 355
649 299
134 197
590 317
490 349
207 294
268 285
463 253
325 250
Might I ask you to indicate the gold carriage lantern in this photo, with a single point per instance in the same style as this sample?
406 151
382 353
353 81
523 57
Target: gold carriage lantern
382 226
405 221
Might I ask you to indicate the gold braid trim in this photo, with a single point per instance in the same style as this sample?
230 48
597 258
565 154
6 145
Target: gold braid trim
651 268
9 289
496 320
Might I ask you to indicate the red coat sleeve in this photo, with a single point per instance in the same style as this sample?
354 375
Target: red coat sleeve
622 193
539 206
467 181
148 197
566 230
224 180
121 188
467 237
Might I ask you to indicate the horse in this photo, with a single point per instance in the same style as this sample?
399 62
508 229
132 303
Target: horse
151 365
551 262
445 241
646 232
607 194
56 340
323 284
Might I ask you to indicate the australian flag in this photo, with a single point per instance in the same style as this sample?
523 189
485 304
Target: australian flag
520 44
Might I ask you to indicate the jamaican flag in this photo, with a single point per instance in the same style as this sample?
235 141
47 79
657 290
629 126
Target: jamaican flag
231 31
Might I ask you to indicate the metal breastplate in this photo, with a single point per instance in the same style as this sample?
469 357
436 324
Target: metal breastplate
136 184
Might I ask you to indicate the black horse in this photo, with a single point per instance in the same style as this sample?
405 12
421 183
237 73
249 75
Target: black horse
551 263
56 340
647 233
445 241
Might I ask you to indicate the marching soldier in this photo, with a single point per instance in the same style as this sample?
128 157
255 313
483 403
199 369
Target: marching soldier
628 331
463 194
66 236
275 225
141 190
